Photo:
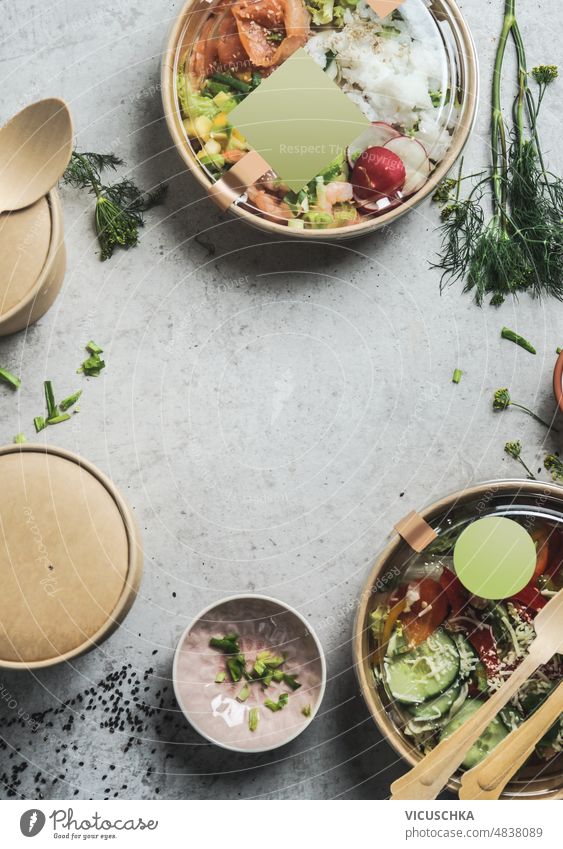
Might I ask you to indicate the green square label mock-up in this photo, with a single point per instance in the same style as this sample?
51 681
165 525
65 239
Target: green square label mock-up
299 120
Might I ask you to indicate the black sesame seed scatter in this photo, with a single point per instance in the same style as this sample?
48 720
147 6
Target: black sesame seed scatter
134 705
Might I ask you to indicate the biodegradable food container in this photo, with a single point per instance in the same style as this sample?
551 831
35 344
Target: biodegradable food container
33 262
70 557
510 498
212 707
440 30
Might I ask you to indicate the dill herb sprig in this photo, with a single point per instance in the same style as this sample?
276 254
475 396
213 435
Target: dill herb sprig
514 450
520 246
502 401
119 208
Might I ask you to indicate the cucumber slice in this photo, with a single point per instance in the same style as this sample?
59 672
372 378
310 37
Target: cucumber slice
436 708
491 736
423 672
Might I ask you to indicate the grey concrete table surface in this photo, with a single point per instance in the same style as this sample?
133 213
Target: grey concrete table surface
269 409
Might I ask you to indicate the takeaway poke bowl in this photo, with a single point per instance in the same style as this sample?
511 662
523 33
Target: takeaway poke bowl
428 652
412 75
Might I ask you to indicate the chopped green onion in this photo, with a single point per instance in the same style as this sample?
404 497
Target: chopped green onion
457 375
52 410
70 401
306 711
235 668
259 668
271 660
278 675
291 681
517 339
19 439
559 350
93 348
243 694
92 366
283 699
275 706
10 378
63 417
253 718
229 643
40 423
220 677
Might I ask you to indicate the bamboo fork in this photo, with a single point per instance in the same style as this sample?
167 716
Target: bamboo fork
489 778
426 779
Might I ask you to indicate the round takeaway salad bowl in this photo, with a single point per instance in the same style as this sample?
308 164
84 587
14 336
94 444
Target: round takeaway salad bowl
412 77
428 653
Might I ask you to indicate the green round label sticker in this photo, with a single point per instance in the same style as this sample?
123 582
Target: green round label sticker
495 557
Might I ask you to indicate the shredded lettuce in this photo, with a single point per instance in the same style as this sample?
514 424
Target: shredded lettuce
193 105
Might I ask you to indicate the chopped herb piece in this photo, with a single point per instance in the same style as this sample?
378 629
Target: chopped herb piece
93 348
92 366
259 668
19 439
243 694
277 675
554 465
229 643
291 681
40 423
52 409
435 97
267 679
271 660
63 417
275 706
220 677
70 401
274 36
306 710
253 718
457 375
235 667
517 339
558 351
10 378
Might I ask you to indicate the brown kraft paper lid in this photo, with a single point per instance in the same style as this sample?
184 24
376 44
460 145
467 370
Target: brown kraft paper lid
70 559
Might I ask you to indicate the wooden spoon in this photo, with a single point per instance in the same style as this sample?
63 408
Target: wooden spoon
426 779
488 779
35 148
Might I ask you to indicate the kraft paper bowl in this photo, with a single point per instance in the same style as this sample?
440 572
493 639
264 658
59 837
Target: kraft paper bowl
461 50
508 498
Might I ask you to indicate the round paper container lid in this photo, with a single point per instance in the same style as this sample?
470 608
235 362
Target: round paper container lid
70 562
25 238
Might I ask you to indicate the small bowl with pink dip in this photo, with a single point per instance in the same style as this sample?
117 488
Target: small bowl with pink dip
249 673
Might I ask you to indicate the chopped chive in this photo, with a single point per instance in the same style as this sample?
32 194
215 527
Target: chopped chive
63 417
457 375
229 643
70 401
220 677
19 439
40 424
93 348
235 669
243 694
275 706
10 378
253 718
52 410
291 681
517 339
306 710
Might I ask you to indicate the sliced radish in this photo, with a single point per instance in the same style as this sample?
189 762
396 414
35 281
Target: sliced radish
377 135
415 160
378 173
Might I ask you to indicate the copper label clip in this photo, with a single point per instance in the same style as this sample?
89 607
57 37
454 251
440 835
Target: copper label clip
235 182
415 531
